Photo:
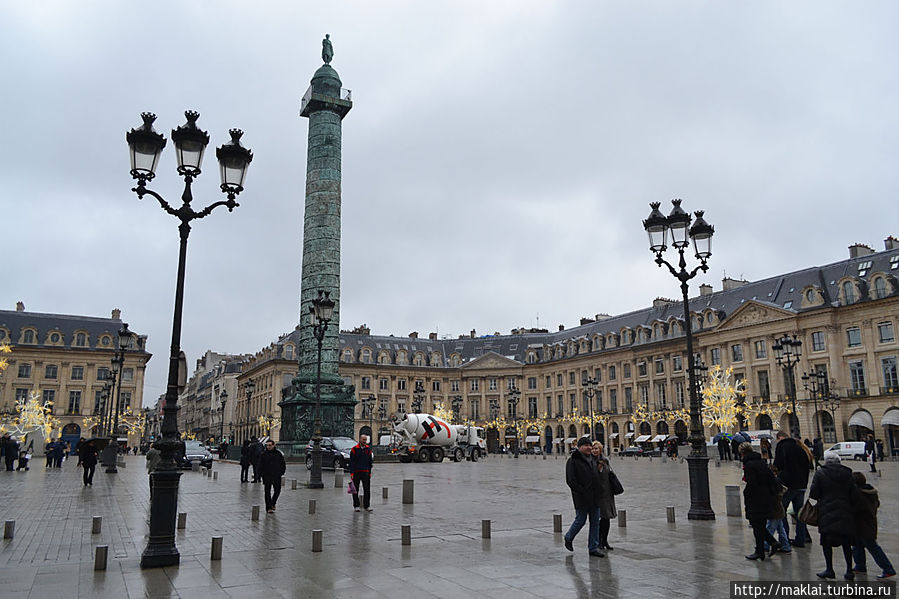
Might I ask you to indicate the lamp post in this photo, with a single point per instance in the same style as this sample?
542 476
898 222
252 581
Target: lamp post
677 223
223 398
815 383
368 406
111 379
513 397
145 146
590 385
787 351
456 403
322 310
833 402
418 397
118 361
249 387
382 416
494 414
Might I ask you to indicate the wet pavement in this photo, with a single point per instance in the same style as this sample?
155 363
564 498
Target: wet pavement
51 555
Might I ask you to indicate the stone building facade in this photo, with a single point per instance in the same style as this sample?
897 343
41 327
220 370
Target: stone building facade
845 314
66 359
202 415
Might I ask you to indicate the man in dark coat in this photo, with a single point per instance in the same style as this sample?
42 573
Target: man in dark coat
271 468
11 452
837 498
818 450
256 450
871 452
88 460
582 477
361 461
723 444
792 464
759 495
866 530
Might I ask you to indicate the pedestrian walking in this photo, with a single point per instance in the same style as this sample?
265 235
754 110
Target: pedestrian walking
361 461
837 496
154 456
606 504
765 446
759 496
88 460
723 444
582 477
879 443
245 461
792 463
866 528
871 452
24 458
271 468
818 451
256 451
10 452
775 524
58 452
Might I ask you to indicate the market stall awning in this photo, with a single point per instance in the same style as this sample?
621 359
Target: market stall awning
628 435
532 439
642 439
570 440
659 438
613 435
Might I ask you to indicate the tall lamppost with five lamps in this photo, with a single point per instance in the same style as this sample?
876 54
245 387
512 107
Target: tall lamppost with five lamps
223 399
118 361
513 396
322 310
787 351
145 146
677 224
590 385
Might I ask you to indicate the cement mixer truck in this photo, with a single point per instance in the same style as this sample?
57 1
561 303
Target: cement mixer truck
426 438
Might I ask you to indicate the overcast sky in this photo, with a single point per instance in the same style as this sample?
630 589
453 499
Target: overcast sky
497 162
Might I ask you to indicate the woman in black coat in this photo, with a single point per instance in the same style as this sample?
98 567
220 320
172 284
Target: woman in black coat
837 494
759 495
606 504
245 461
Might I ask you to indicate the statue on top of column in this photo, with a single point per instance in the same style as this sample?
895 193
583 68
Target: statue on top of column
327 49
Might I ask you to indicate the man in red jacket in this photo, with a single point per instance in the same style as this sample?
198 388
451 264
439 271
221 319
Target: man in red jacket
360 469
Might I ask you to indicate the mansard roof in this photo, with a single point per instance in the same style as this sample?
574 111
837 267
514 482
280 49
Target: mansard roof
14 321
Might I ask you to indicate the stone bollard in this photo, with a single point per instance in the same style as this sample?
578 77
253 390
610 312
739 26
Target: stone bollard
338 480
485 529
255 515
317 540
293 484
216 553
557 522
664 459
407 534
622 518
182 520
215 475
383 492
9 529
682 460
669 513
100 554
650 458
283 481
195 467
311 506
408 491
732 500
717 463
96 525
544 456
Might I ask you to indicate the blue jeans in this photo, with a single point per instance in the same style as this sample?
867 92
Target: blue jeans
880 558
797 498
580 518
777 527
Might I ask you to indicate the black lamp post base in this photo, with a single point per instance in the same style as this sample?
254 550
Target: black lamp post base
161 550
315 485
700 502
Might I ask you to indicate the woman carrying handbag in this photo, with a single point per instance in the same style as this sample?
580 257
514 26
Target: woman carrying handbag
608 485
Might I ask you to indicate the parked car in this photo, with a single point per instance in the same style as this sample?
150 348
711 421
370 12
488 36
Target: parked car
335 452
850 450
633 450
195 451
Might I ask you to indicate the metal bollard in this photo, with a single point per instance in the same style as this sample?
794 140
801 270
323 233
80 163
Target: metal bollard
664 459
96 525
669 513
9 529
293 484
215 475
311 506
216 553
338 480
100 554
622 518
485 529
407 534
317 540
732 500
383 492
182 520
255 515
557 522
408 491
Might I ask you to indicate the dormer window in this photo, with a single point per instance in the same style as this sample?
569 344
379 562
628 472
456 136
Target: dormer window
848 292
863 268
880 288
80 339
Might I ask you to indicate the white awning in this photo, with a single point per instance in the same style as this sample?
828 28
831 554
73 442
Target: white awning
570 440
613 435
890 418
557 441
532 439
642 439
862 418
659 438
628 435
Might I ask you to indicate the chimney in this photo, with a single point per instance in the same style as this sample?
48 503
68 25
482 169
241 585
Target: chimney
705 289
432 336
116 314
473 332
857 250
20 306
586 321
561 327
413 335
891 243
729 284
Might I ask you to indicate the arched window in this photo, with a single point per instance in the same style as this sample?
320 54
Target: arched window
848 292
288 352
880 288
828 431
80 339
347 355
28 336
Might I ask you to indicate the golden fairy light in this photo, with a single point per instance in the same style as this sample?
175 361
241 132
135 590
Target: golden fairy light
720 397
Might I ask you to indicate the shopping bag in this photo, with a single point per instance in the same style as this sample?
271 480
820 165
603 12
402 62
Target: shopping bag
809 513
351 488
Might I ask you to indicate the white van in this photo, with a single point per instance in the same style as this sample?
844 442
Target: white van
850 450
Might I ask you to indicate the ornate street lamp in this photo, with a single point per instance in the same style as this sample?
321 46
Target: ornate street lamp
118 361
418 397
368 407
223 398
832 402
322 310
787 351
677 224
513 397
590 385
145 146
456 403
382 416
249 387
815 384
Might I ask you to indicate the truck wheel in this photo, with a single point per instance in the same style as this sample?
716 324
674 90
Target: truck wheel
458 455
422 455
475 454
437 455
